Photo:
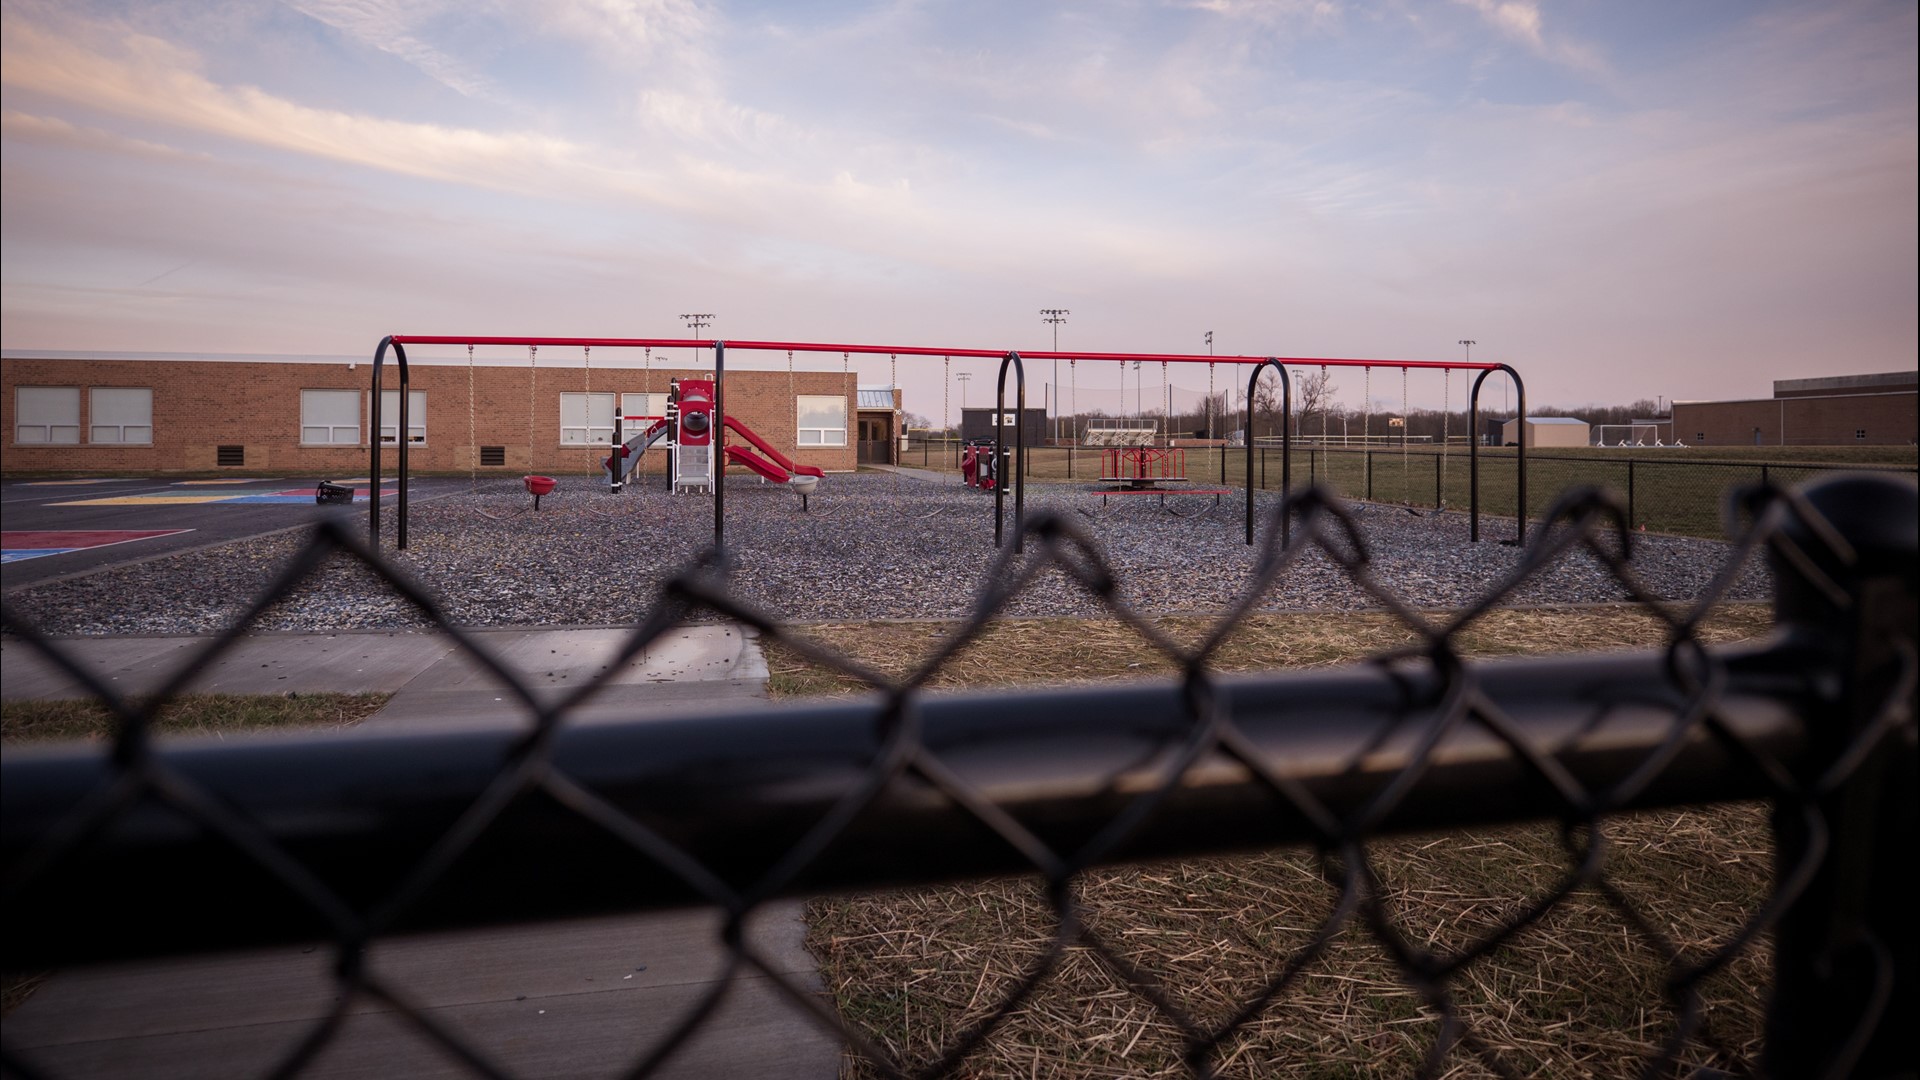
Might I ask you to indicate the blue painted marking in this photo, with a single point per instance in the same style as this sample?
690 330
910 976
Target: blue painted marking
19 554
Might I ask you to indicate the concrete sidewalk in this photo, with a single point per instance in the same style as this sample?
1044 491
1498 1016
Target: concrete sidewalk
432 680
569 999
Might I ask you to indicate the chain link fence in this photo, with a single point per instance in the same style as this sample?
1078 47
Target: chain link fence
142 848
1664 495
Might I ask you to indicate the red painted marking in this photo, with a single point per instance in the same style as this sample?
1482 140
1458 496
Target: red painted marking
70 540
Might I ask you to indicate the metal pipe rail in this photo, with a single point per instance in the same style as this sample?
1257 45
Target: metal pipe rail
928 350
737 793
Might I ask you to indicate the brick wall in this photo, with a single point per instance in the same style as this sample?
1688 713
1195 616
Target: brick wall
1887 419
199 406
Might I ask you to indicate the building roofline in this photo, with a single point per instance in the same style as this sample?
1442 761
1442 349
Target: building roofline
1806 397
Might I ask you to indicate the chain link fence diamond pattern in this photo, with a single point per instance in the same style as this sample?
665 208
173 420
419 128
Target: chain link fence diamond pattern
902 787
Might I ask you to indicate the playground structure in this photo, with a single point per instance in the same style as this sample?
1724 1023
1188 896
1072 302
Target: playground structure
1143 467
1010 361
689 432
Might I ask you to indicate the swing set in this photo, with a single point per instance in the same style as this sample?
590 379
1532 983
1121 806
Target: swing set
1011 361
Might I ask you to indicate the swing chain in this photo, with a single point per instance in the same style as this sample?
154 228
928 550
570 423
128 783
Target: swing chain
1446 432
473 438
1366 413
1406 466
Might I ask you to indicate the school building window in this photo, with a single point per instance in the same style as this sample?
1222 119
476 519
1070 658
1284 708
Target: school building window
120 414
586 419
632 405
44 415
330 417
416 416
822 420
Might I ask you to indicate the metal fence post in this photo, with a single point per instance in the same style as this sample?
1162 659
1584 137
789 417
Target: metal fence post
1369 465
1845 964
1438 495
1629 493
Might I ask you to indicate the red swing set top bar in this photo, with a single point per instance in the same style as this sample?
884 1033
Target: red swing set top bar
720 345
927 350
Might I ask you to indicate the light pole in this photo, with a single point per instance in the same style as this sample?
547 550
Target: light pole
963 377
1056 316
697 322
1506 405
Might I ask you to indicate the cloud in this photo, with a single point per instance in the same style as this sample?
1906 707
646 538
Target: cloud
390 26
636 27
1520 20
145 79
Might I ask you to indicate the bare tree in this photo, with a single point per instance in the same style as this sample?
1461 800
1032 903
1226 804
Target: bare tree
1314 394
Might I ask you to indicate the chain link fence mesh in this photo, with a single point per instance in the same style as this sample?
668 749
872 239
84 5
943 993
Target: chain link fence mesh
1441 697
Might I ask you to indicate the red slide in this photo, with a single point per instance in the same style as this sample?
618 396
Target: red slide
778 458
743 456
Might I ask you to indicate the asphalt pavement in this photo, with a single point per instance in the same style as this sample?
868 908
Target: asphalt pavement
59 528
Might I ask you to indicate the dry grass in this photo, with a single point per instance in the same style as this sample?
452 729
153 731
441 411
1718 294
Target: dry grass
190 714
1014 652
1580 994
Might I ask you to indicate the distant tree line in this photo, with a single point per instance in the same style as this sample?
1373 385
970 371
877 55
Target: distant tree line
1315 411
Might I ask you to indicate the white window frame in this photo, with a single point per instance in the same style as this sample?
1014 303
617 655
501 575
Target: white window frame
808 437
416 417
577 415
311 422
120 433
41 416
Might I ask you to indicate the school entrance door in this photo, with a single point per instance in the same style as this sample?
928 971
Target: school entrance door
876 441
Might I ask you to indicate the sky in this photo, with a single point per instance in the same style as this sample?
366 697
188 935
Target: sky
1622 200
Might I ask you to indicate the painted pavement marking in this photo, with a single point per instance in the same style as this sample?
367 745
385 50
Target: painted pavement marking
23 544
75 483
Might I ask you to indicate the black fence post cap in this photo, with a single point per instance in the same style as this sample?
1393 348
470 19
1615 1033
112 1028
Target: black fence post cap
1878 514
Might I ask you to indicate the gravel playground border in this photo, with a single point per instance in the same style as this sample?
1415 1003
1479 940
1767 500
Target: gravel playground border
874 545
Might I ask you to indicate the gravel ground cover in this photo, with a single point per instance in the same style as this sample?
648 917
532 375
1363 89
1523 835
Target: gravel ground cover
873 545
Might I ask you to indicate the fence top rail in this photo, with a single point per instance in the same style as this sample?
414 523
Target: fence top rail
1615 459
928 350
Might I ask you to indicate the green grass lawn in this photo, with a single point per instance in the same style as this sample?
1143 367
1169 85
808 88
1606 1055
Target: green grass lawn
1670 490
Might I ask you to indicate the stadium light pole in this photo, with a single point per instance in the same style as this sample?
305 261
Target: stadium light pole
697 322
1056 316
963 377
